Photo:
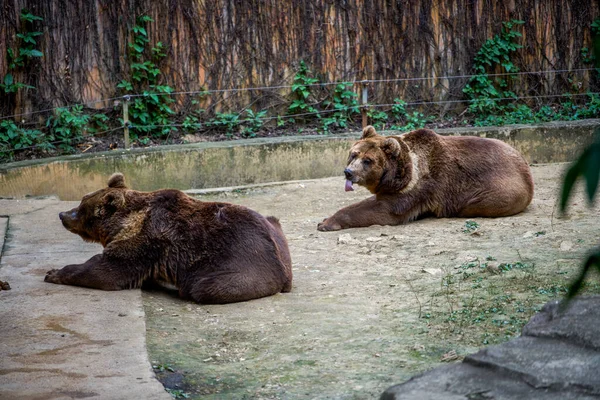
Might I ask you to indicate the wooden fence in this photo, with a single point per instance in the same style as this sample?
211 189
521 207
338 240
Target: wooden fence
217 44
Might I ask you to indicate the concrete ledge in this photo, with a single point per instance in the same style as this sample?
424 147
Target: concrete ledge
253 161
65 342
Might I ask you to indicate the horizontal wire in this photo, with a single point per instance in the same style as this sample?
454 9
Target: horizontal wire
198 124
61 141
56 108
346 108
365 81
206 92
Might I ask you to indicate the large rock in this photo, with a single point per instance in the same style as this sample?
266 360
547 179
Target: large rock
557 357
577 324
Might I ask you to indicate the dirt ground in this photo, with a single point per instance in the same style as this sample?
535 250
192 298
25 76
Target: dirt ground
370 307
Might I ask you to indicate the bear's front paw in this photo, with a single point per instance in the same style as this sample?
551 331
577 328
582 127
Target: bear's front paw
328 225
52 276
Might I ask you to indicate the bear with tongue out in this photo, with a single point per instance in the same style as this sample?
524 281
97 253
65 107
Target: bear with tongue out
422 174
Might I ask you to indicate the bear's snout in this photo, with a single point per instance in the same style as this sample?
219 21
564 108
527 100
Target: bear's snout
348 173
68 218
67 215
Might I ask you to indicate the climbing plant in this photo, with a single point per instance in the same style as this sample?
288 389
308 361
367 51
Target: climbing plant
483 91
21 56
149 112
406 121
14 137
301 92
67 126
344 104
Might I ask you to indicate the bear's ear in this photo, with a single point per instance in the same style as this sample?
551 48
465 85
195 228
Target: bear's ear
114 199
368 132
116 180
391 147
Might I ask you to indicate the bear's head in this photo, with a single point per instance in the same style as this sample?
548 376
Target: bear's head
92 218
375 162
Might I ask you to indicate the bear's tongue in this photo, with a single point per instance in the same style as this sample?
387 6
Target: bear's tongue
348 187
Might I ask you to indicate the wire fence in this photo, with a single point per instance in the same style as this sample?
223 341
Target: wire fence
317 109
209 92
370 81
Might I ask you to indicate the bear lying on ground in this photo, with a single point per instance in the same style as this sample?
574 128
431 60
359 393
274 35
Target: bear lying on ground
210 252
424 174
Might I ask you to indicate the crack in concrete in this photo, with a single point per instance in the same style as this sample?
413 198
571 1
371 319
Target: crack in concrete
33 210
5 238
52 252
50 370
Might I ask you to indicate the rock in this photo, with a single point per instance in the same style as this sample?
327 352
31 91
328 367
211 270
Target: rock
449 356
543 363
4 285
189 138
400 238
465 257
557 357
566 245
432 271
573 325
347 239
462 381
493 268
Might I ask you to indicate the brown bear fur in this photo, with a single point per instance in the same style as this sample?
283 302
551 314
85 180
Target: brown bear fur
211 252
422 173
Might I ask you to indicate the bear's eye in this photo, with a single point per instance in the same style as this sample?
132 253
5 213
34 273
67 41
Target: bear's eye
367 161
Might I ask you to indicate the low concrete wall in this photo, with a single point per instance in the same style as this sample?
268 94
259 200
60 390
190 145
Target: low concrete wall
540 144
218 164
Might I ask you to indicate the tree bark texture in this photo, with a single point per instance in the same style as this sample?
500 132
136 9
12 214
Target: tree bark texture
224 44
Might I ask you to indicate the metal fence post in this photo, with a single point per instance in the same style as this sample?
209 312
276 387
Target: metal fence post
126 99
364 101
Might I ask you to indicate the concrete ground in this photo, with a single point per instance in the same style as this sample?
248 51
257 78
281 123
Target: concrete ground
350 328
64 344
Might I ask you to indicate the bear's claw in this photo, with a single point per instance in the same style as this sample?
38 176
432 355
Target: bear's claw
326 227
52 276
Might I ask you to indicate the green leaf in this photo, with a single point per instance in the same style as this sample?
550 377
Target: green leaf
27 16
8 79
576 285
125 85
27 38
591 172
579 168
31 52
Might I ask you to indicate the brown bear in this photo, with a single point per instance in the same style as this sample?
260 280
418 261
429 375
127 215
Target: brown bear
423 174
210 252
